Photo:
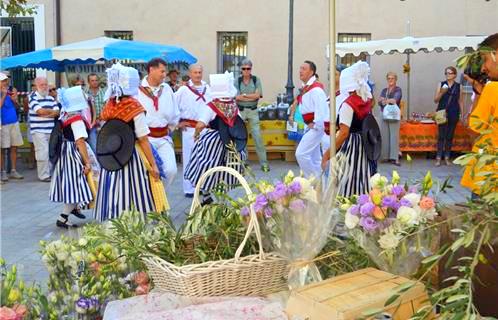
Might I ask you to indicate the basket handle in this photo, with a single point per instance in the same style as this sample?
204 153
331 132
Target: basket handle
253 221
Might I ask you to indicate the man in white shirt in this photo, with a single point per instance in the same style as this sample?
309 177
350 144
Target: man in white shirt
314 108
191 98
162 114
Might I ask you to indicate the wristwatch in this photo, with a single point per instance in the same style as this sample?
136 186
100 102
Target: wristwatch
244 95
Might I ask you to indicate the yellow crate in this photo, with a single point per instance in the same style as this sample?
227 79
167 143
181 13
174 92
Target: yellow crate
350 295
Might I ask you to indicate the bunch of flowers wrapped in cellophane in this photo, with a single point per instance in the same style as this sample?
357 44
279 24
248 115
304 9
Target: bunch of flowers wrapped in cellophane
393 222
295 222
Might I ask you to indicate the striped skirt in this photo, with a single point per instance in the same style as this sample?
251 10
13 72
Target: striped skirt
209 152
355 169
123 190
69 183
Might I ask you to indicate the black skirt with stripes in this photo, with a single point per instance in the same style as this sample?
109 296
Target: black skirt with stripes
69 183
355 169
209 152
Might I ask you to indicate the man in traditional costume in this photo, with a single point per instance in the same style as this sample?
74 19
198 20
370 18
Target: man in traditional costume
191 98
224 140
315 110
162 114
71 156
124 150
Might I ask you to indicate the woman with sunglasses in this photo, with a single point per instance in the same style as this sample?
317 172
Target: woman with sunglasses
449 97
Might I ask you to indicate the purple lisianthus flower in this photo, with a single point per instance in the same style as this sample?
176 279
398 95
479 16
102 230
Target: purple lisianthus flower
363 199
297 205
295 187
396 206
260 202
367 209
279 192
268 212
368 223
355 209
244 211
405 203
398 191
83 303
389 201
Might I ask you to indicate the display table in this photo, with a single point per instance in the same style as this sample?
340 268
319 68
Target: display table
422 137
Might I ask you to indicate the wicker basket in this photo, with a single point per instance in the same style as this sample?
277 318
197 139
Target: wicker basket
253 275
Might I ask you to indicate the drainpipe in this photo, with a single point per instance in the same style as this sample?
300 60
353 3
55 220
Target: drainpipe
58 36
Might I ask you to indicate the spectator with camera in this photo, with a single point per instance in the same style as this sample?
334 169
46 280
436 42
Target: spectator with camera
11 137
483 119
449 99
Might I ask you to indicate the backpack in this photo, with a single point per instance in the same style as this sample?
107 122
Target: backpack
254 80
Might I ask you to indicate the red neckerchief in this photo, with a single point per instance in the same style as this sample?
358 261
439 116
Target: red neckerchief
307 88
199 95
227 114
73 119
361 108
337 93
149 93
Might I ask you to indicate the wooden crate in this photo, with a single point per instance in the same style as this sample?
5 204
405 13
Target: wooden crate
349 296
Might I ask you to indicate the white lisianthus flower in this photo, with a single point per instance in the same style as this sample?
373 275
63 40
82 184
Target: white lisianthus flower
378 181
351 221
265 187
389 241
77 256
414 198
430 214
83 242
305 183
345 206
307 191
61 255
407 216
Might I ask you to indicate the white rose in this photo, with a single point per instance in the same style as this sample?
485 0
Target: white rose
61 255
407 215
430 214
414 198
351 221
77 256
83 242
378 181
389 241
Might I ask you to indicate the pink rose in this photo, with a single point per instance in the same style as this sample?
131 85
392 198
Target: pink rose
141 278
427 203
8 314
142 289
20 310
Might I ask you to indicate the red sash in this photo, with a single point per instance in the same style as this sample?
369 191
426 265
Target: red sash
158 132
189 122
199 95
148 92
306 89
310 117
227 111
361 108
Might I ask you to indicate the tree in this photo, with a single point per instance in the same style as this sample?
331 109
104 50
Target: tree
16 8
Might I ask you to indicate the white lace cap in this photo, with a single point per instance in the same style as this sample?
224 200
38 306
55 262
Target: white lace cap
121 81
72 99
222 85
355 78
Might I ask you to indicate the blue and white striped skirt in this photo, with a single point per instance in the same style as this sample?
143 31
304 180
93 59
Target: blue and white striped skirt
69 183
124 190
209 152
354 168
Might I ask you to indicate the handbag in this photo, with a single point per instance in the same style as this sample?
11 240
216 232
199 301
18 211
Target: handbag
441 116
391 112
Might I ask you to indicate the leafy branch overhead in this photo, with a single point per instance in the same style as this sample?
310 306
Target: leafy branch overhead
16 8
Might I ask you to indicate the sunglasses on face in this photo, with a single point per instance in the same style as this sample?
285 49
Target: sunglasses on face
245 69
52 89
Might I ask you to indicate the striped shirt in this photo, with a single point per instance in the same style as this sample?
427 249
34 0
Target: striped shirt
97 100
38 123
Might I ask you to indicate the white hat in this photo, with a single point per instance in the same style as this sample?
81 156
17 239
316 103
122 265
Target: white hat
72 99
121 81
3 76
355 78
222 86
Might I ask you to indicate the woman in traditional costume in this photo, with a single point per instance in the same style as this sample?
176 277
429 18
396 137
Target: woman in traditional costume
123 149
71 156
356 165
220 134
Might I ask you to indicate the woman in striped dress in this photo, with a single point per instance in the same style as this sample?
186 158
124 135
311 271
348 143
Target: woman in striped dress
218 125
69 183
130 186
355 168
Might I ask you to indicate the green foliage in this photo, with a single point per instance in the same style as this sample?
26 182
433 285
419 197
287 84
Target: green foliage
16 8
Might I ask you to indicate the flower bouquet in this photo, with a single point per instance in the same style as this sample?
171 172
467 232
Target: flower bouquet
393 223
295 223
